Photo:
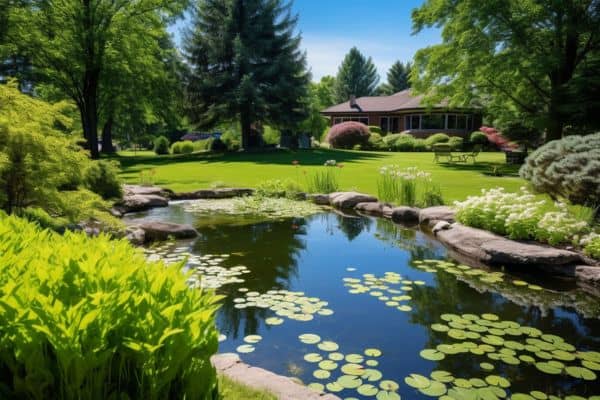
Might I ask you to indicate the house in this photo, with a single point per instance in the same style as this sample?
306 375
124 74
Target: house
403 112
195 136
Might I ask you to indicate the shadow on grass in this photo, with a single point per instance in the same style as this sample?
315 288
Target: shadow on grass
282 157
485 167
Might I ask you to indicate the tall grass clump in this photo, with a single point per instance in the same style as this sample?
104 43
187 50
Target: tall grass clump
88 318
325 180
408 187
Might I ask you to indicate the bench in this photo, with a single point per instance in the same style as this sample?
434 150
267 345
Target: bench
443 150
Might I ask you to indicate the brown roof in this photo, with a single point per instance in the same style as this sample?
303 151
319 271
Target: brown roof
403 100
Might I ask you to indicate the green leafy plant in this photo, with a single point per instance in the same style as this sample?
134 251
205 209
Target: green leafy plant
375 129
478 137
161 145
102 177
176 148
437 138
592 247
408 187
89 318
456 143
568 168
325 180
278 188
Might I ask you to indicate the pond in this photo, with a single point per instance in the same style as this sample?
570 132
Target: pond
365 309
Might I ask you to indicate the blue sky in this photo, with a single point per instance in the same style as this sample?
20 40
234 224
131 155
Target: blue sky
380 29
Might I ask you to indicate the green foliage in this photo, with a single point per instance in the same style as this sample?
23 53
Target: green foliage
348 134
235 37
203 145
397 78
518 132
102 177
43 219
523 59
161 145
176 148
89 318
325 180
478 137
279 188
37 158
272 135
437 138
376 142
592 248
184 147
568 168
522 215
357 76
375 129
408 187
456 143
419 145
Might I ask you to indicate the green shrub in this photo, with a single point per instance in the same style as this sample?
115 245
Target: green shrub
419 145
89 318
392 137
218 146
43 219
357 147
403 144
456 143
203 145
176 148
478 137
592 248
102 177
376 142
271 135
375 129
161 145
568 168
278 188
437 138
187 147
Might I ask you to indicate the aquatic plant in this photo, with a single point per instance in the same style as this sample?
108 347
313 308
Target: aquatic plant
90 318
522 215
264 207
279 188
325 180
408 186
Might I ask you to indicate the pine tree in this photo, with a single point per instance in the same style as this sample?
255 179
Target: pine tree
357 76
398 76
246 64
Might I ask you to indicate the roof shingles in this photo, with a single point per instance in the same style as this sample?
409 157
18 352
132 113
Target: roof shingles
403 100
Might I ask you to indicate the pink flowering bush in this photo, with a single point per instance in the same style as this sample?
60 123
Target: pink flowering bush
348 134
495 137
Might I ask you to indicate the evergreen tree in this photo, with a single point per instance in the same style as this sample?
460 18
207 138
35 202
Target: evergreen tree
246 64
397 79
356 76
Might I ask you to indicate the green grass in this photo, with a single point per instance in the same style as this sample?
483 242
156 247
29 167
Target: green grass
231 390
360 171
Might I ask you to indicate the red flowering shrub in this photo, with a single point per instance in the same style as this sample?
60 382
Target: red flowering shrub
495 137
348 134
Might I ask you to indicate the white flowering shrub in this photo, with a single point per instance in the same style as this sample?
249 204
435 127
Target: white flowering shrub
567 168
521 215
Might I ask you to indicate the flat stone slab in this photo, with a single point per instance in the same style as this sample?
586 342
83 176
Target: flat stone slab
497 250
223 193
374 208
349 199
130 190
160 231
319 199
282 387
432 215
140 202
405 215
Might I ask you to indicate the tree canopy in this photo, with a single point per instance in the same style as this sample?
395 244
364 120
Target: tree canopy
246 64
397 79
357 76
518 57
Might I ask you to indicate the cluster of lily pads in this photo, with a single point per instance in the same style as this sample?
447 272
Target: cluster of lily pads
355 371
461 269
507 342
265 207
390 288
167 253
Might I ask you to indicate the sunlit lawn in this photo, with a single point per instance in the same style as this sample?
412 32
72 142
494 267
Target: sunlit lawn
360 169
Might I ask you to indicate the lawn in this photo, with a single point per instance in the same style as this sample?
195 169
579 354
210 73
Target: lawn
231 390
359 172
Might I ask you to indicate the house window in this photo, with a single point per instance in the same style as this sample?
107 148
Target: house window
451 121
337 121
394 124
384 124
412 122
433 121
461 122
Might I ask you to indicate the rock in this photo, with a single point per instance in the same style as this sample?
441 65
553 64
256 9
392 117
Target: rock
140 202
373 208
135 235
496 250
588 274
509 252
159 231
441 226
349 199
116 213
224 193
430 216
405 215
319 199
131 190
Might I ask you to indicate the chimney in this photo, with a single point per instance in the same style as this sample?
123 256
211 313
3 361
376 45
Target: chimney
353 103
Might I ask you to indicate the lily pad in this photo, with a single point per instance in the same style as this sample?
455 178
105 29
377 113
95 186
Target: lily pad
386 395
417 381
442 376
389 386
336 356
334 387
354 358
328 346
548 368
372 352
435 389
496 380
313 357
274 321
321 374
486 366
245 348
367 390
349 381
353 369
252 339
432 355
328 365
372 363
581 373
317 387
372 375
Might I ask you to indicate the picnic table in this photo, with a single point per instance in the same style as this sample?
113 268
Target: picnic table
444 151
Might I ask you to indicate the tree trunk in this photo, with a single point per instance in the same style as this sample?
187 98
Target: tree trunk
246 129
90 127
107 144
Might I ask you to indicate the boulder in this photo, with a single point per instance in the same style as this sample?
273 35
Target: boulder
405 215
131 190
223 193
140 202
588 274
374 208
319 199
135 235
431 215
349 199
159 231
441 226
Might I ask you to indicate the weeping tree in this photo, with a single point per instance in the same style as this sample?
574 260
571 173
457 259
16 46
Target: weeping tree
357 76
519 57
71 44
246 65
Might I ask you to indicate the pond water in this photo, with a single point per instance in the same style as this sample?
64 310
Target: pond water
385 312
